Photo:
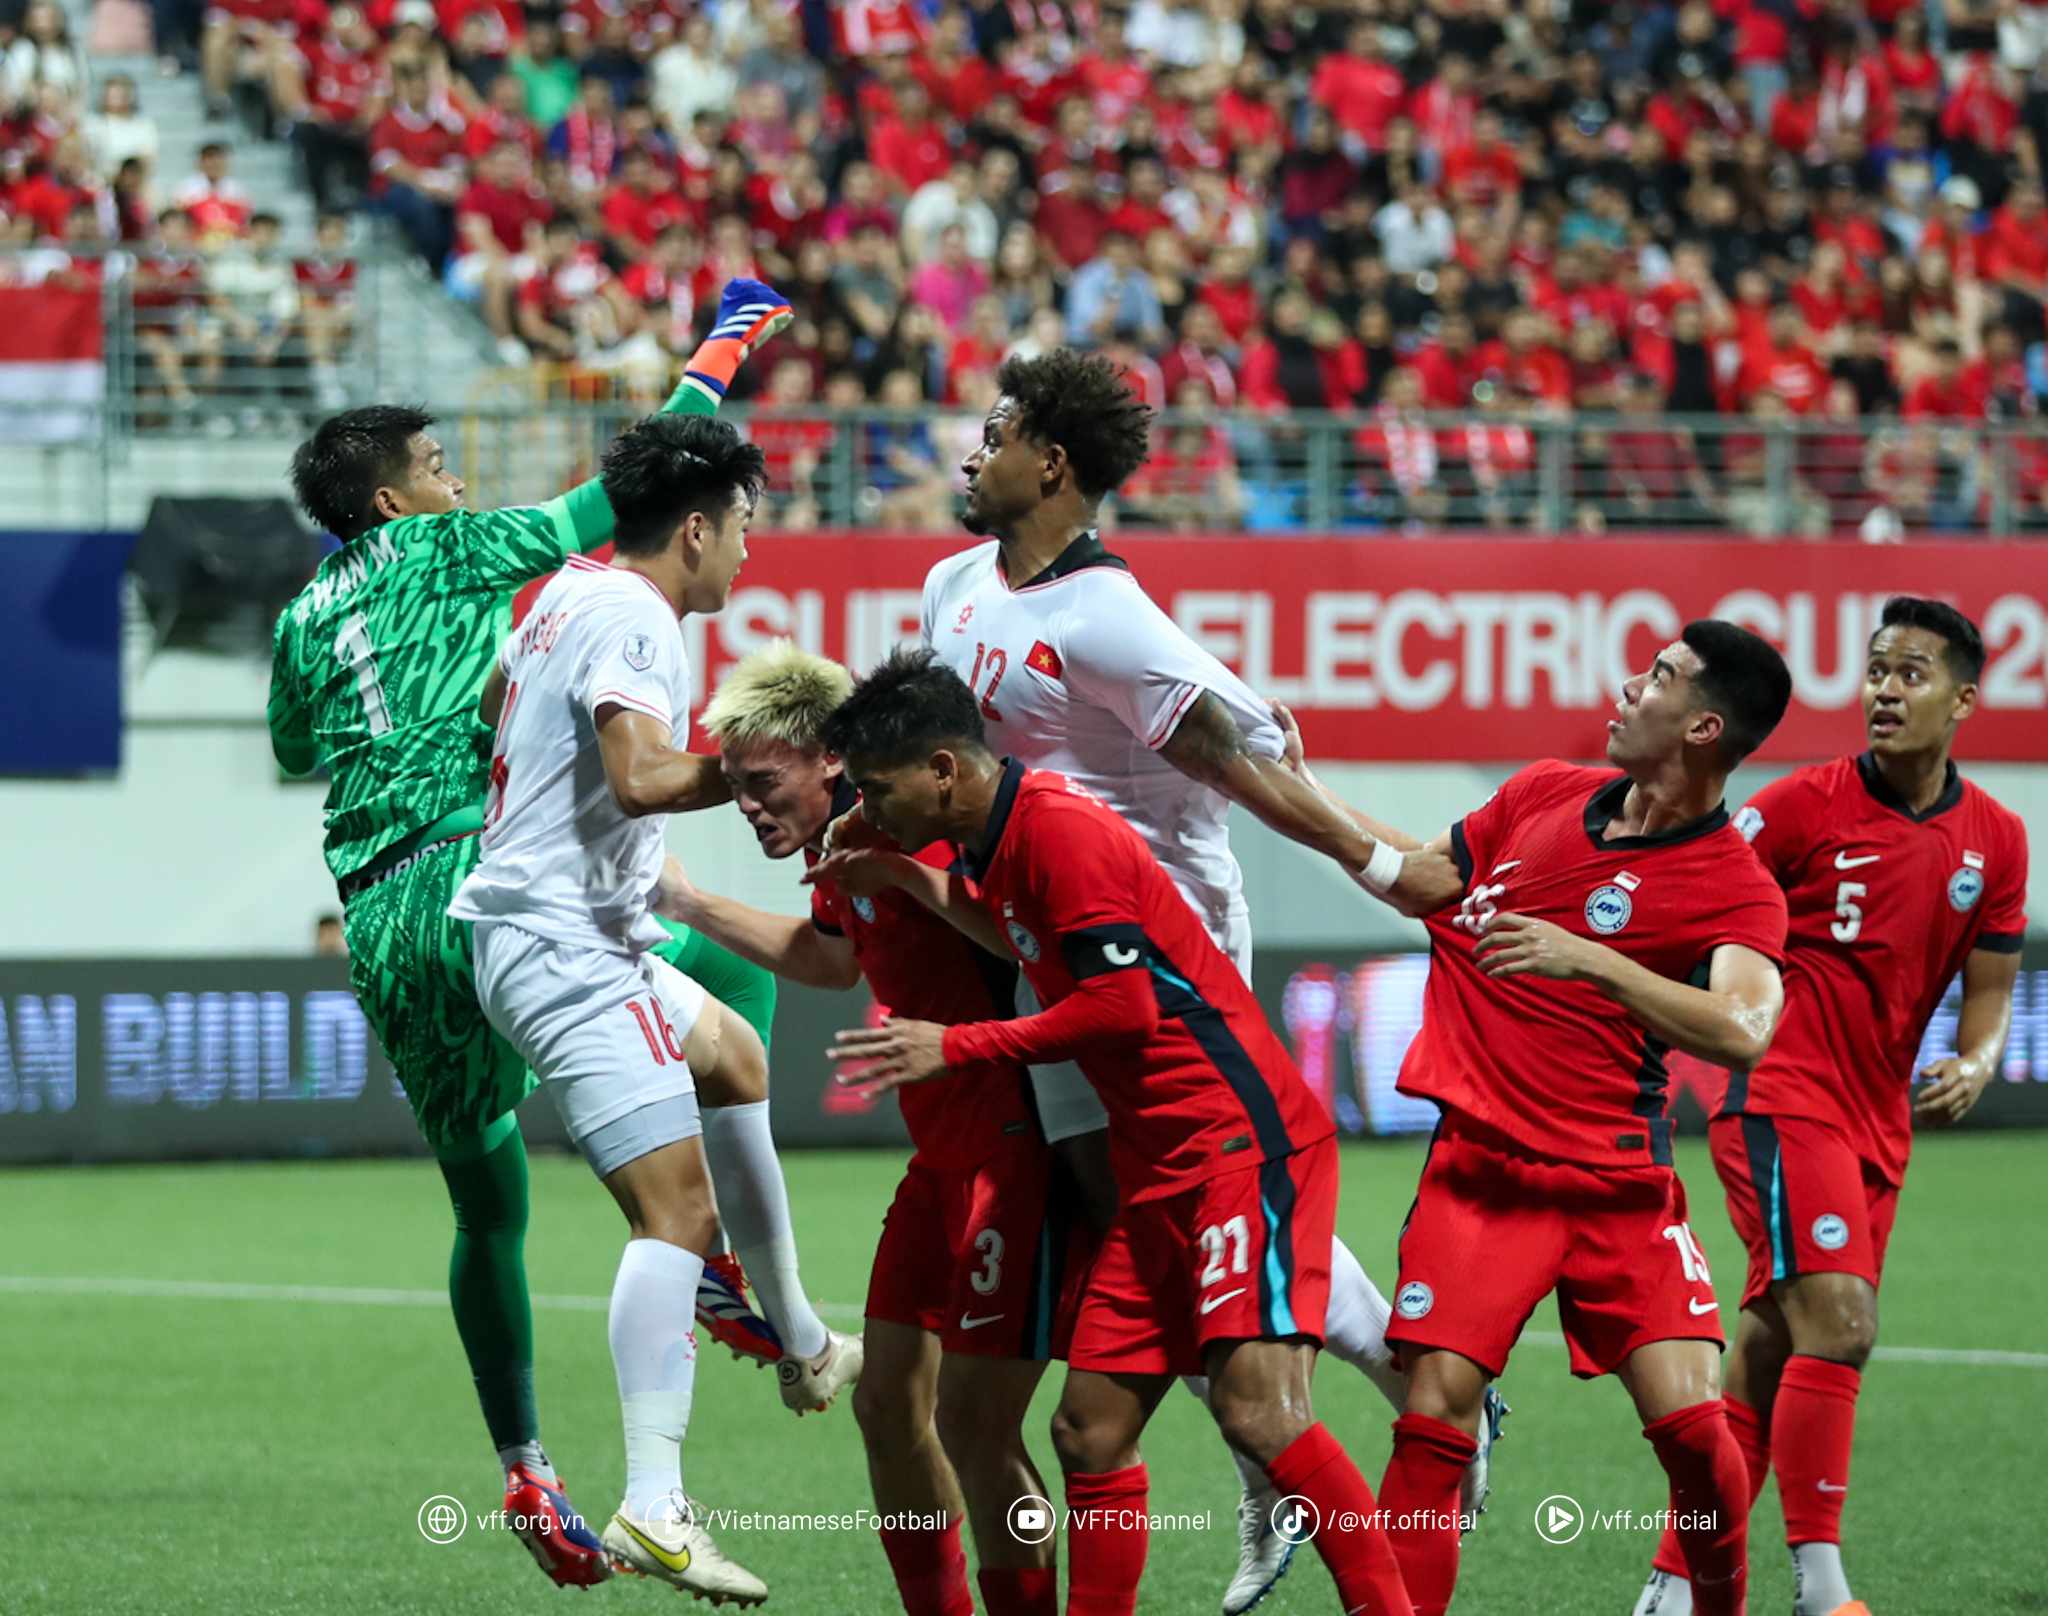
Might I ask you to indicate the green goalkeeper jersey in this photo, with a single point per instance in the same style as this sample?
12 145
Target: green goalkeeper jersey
378 662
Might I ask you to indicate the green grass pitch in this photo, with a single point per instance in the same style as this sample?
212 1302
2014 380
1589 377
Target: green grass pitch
237 1452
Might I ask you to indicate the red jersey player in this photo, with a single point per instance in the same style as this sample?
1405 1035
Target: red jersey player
1218 1259
1583 922
974 1258
1898 874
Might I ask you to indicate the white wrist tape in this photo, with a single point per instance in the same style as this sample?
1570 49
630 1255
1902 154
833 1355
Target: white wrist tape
1383 869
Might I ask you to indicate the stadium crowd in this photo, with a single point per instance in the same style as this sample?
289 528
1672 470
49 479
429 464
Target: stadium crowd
1759 208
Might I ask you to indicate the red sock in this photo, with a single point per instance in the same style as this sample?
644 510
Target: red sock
931 1569
1360 1558
1419 1500
1710 1497
1020 1590
1105 1555
1813 1424
1753 1437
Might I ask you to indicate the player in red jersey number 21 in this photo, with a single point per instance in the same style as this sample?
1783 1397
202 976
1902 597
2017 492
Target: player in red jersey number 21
1218 1257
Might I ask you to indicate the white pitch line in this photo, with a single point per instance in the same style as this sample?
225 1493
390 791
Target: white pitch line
210 1290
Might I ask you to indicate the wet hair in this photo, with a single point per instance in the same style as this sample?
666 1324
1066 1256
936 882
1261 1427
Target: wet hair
1962 644
1082 403
1743 679
911 705
337 471
659 470
778 693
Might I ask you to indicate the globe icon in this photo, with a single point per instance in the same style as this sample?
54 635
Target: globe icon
442 1519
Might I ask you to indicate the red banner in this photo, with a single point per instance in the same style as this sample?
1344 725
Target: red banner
1493 650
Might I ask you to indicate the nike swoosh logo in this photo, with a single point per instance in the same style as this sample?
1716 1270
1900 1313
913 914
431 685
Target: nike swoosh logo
1703 1307
1501 869
969 1322
1830 1487
674 1559
1212 1303
1844 862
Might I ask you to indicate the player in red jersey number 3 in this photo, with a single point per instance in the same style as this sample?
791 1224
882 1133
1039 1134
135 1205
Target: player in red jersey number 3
1582 923
1218 1259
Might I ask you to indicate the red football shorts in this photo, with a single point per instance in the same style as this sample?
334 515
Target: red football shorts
991 1259
1801 1198
1494 1230
1245 1256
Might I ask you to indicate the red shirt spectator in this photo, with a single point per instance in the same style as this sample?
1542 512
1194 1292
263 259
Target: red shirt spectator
421 139
1236 302
510 208
1783 365
1072 219
1484 171
637 209
506 20
1948 393
1980 109
1190 361
910 148
1360 90
1447 373
325 280
1249 120
496 123
2015 247
48 199
340 83
959 83
878 27
1533 368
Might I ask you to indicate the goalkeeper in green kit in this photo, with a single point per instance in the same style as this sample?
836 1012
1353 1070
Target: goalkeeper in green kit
376 670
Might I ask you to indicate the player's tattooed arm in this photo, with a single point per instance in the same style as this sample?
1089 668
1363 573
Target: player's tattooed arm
649 776
790 947
1208 746
1955 1083
1729 1022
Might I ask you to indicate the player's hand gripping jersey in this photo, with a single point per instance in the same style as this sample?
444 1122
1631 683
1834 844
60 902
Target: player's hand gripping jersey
1558 1067
1885 906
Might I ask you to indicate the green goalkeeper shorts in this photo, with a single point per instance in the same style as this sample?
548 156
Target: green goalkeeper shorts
413 969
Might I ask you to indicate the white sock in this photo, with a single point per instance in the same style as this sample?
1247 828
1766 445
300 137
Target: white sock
1355 1327
1664 1595
655 1357
1818 1585
529 1454
753 1205
1250 1473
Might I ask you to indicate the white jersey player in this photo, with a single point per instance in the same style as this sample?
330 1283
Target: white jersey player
590 700
1078 670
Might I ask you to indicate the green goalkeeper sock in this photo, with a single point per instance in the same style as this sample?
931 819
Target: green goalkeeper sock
487 1278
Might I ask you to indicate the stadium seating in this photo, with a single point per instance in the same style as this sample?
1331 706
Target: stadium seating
1760 209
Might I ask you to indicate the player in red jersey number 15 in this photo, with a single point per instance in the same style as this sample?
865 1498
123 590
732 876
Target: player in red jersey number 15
1582 923
1898 874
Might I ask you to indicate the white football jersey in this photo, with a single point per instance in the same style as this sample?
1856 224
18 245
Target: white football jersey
561 859
1079 670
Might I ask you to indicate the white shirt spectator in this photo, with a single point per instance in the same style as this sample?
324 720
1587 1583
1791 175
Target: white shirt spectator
934 206
687 82
1412 242
28 66
113 138
1183 34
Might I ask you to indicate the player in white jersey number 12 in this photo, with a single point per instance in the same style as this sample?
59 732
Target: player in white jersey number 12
1076 669
590 701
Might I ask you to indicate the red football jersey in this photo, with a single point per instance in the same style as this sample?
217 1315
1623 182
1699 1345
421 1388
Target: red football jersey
1212 1090
1886 904
919 967
1558 1067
